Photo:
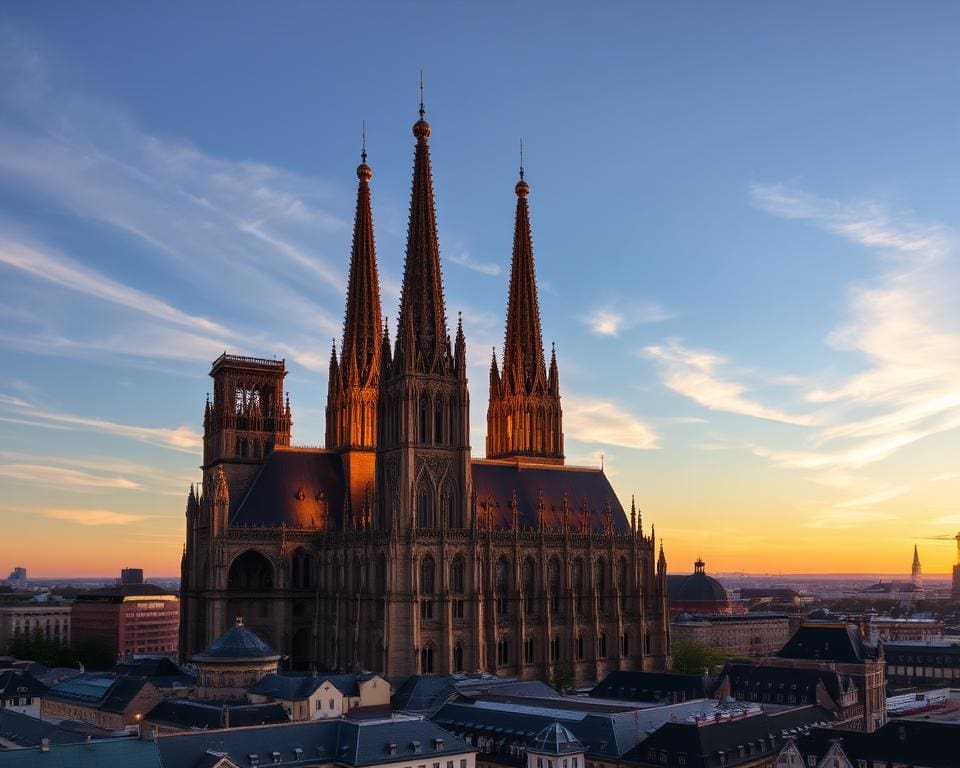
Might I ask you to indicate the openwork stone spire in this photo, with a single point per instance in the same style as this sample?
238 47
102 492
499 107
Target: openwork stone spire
422 311
523 364
524 419
353 381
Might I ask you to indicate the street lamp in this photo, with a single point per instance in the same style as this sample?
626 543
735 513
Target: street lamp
138 717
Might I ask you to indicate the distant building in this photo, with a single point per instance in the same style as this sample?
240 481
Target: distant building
747 634
898 743
916 575
233 663
131 576
52 620
923 663
652 687
174 715
745 738
104 700
103 753
318 697
131 619
20 691
821 658
18 576
392 742
696 593
906 593
890 630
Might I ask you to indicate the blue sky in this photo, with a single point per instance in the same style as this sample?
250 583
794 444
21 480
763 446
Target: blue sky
745 226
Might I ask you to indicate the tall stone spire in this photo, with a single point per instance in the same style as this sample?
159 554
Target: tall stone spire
524 419
915 573
523 364
354 379
422 312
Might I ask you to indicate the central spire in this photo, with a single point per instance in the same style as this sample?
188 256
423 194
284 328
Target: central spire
524 418
422 327
523 363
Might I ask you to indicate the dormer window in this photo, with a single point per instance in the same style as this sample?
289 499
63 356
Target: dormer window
391 748
275 756
417 748
297 753
254 760
438 744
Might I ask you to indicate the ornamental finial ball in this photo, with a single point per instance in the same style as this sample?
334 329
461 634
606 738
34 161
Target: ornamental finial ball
364 172
522 188
421 129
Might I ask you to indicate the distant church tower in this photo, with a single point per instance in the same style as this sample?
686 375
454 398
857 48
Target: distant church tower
354 380
916 575
524 420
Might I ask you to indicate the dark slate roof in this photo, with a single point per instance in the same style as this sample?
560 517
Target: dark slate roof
900 742
122 693
746 677
292 488
112 694
199 715
293 687
109 753
498 480
718 743
605 730
776 593
423 693
26 731
19 682
651 686
695 588
238 642
825 641
556 740
160 667
344 741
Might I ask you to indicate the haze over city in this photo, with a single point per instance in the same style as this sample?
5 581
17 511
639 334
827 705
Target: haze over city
744 223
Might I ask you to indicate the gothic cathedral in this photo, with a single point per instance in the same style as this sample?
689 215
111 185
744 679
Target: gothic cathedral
392 549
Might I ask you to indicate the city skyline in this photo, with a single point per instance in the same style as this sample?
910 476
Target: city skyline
746 254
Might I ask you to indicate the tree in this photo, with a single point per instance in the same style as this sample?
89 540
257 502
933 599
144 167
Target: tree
694 657
561 677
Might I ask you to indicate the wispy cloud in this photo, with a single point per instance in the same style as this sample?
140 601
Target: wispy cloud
181 438
596 421
698 374
612 321
464 259
92 516
63 478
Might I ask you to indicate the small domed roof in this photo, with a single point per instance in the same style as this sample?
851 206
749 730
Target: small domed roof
238 642
555 739
700 588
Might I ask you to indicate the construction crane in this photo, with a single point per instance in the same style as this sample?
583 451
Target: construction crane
947 537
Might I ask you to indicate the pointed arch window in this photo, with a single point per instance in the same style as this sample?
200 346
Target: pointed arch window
426 660
578 585
553 579
529 586
528 651
602 646
457 579
427 587
424 434
458 656
425 509
501 585
600 583
438 421
623 576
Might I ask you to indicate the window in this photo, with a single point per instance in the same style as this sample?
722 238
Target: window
425 507
458 609
529 586
602 646
427 570
601 584
500 586
426 660
578 585
503 652
579 648
333 703
553 581
625 645
424 420
458 657
528 651
555 649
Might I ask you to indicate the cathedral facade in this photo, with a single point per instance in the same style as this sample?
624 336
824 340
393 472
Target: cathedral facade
392 549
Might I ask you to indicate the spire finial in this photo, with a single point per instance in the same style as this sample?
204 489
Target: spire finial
363 141
422 110
521 158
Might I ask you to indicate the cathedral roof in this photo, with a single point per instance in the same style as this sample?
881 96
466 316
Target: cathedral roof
828 641
297 487
497 481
